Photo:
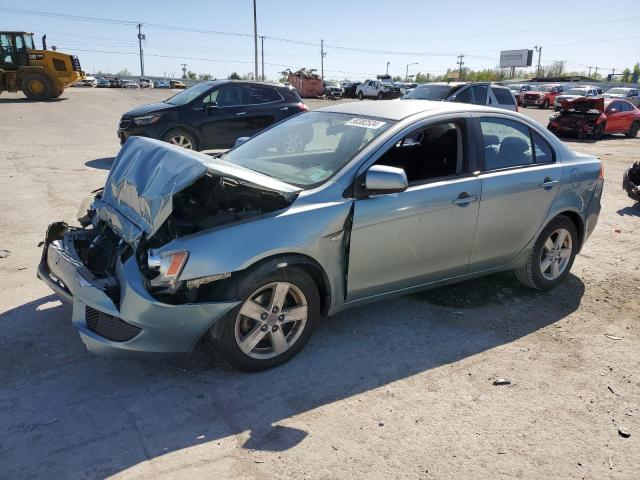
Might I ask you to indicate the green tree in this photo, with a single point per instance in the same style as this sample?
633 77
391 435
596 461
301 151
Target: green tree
204 77
234 76
123 73
626 76
192 75
636 73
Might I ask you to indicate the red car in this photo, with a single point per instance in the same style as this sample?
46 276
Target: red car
541 96
595 117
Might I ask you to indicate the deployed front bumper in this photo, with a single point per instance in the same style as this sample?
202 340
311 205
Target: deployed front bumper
127 322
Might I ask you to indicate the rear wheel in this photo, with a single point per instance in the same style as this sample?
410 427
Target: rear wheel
36 87
58 93
633 131
552 256
360 95
545 104
274 321
598 131
380 95
181 138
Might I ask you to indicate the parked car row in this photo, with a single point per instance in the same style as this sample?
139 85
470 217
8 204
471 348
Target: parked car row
116 82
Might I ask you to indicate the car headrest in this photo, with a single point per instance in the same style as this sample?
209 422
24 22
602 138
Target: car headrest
513 145
491 140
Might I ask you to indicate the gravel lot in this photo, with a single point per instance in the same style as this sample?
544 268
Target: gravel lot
400 389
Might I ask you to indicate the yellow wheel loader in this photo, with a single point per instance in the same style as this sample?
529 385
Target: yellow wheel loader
40 74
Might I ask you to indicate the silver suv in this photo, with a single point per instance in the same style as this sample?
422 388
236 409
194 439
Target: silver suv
478 93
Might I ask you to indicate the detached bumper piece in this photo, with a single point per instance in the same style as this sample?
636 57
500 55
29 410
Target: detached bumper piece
110 327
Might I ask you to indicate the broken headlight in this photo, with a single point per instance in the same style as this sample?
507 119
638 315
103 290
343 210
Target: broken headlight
169 266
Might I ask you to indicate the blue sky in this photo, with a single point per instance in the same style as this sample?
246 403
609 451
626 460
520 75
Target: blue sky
429 33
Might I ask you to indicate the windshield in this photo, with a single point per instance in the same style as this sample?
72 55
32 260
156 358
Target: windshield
514 88
28 41
542 88
577 91
189 94
309 148
619 91
429 92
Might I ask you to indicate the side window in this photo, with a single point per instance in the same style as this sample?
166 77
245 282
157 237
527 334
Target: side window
212 97
507 143
6 49
542 150
614 105
432 152
633 93
20 44
231 96
503 96
625 107
464 96
259 94
479 93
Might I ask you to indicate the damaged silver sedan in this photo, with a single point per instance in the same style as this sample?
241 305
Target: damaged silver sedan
250 248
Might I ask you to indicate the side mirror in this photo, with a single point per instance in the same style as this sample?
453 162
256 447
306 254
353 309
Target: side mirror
382 179
240 141
210 105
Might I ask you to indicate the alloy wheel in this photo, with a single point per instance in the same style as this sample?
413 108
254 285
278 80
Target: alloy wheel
181 141
556 254
271 320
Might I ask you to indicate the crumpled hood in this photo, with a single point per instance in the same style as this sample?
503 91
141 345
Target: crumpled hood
147 173
583 104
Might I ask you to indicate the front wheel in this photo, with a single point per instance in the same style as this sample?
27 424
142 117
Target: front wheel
275 320
545 105
36 87
552 256
633 131
598 131
181 138
380 95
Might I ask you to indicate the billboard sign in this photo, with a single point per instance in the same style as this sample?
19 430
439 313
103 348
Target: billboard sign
516 58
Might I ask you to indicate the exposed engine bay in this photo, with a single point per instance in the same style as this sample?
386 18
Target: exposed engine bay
213 201
581 116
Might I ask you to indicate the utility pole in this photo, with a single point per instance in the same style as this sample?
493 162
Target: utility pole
322 55
539 50
461 63
596 72
406 75
589 75
141 37
184 70
387 68
255 39
262 55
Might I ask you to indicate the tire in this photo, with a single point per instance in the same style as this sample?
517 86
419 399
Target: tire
181 138
58 93
560 229
36 87
545 105
380 96
256 293
598 131
633 131
360 95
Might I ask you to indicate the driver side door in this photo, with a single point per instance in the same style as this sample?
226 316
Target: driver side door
425 233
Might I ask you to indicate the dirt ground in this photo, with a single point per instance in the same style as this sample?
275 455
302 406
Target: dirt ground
399 389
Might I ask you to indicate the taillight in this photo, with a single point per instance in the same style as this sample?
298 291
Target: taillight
601 173
303 107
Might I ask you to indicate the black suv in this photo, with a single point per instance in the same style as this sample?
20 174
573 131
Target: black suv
213 114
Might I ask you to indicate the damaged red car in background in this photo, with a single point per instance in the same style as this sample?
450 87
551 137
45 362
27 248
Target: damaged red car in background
594 117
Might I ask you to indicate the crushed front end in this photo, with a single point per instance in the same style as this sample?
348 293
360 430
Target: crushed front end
125 286
582 117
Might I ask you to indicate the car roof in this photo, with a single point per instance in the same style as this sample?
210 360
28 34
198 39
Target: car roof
399 109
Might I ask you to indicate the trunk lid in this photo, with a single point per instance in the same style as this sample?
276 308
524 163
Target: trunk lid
147 173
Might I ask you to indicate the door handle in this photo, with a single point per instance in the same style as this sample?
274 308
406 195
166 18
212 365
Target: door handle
284 109
465 198
547 183
241 114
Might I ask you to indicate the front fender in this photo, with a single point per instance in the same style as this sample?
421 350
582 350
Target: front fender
313 230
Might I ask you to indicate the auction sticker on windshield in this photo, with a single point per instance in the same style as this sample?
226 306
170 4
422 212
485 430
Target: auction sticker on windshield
365 123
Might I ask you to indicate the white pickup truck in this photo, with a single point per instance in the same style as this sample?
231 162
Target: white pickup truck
377 89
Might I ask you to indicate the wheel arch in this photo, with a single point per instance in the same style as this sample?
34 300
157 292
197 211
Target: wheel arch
577 220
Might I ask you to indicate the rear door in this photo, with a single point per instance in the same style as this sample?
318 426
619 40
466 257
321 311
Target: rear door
266 107
520 179
227 119
503 98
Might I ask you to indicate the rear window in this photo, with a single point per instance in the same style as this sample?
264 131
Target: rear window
503 95
260 94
